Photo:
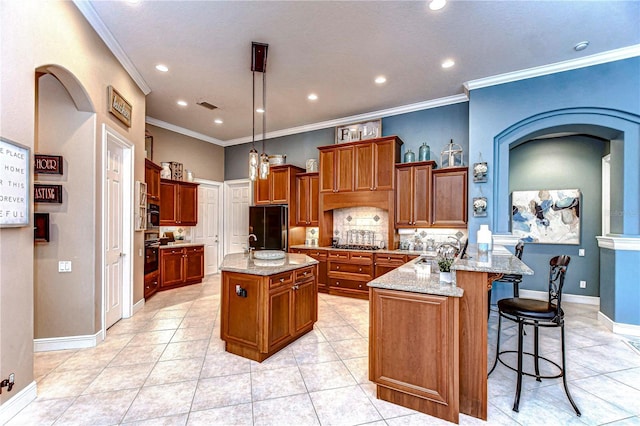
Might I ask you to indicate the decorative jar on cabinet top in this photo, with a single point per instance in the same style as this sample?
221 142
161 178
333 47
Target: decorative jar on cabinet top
424 153
409 156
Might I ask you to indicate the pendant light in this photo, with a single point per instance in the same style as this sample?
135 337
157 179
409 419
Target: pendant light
259 167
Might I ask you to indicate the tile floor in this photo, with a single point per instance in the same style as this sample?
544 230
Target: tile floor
166 366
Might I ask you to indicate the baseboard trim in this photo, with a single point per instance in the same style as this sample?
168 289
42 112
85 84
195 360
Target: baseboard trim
618 328
15 404
567 297
67 342
137 306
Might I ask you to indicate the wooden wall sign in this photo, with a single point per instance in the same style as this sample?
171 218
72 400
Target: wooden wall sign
119 107
47 164
44 193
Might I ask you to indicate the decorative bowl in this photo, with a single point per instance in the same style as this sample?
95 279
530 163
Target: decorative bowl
268 254
276 160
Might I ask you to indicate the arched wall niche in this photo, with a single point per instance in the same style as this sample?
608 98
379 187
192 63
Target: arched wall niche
76 90
621 128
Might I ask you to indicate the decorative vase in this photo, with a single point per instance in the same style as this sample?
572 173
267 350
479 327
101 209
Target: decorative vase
445 277
424 152
165 173
409 156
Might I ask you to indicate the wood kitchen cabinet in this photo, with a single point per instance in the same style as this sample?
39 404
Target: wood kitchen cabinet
307 193
349 272
181 266
413 195
151 283
278 188
321 256
152 179
336 169
178 203
449 195
387 262
374 164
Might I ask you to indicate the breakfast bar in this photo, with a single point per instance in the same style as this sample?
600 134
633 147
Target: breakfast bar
428 339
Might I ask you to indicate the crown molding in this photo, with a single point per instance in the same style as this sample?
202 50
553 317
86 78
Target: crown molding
99 27
587 61
619 242
182 130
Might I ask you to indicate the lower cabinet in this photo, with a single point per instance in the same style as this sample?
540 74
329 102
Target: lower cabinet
387 262
321 256
151 283
181 266
262 314
349 272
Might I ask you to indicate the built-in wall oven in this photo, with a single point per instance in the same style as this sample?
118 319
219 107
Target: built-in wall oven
153 213
151 256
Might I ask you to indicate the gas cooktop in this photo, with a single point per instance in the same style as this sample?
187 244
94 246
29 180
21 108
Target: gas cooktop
355 247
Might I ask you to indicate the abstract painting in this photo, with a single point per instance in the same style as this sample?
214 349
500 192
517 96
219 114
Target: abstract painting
546 216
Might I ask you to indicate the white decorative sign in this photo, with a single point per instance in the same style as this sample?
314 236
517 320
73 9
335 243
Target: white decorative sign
14 184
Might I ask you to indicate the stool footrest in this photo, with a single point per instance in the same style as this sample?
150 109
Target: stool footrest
533 356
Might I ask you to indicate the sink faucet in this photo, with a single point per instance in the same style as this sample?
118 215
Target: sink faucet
249 248
457 244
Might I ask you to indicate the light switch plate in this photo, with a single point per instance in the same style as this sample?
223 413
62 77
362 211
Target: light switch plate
64 266
583 284
580 252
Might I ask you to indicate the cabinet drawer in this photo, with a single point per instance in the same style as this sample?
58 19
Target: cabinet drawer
303 273
352 268
194 250
390 259
173 251
339 255
281 279
361 257
317 254
348 284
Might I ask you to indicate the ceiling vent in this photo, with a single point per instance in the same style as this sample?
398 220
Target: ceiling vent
207 105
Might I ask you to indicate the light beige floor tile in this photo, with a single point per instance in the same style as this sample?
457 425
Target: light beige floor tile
344 406
63 384
281 359
83 360
222 391
352 348
327 375
171 313
41 412
177 420
289 410
224 364
132 355
235 415
267 384
45 362
178 370
334 334
198 321
121 377
359 368
163 324
161 401
152 338
386 409
180 350
99 409
192 333
313 353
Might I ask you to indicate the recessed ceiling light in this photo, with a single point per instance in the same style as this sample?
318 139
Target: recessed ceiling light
581 46
312 97
161 67
218 121
437 4
260 110
182 103
380 79
448 63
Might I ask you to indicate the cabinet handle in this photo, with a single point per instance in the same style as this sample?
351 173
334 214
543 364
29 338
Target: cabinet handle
281 280
337 282
359 269
359 285
305 273
338 267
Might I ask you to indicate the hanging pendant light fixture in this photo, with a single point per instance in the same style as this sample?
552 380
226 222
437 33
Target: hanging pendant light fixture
259 167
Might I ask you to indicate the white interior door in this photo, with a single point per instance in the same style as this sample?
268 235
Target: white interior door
237 201
208 230
114 244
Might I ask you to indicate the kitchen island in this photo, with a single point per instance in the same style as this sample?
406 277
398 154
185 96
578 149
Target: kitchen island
428 340
266 304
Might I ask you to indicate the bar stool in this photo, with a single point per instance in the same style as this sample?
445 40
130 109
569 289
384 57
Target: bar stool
514 279
537 313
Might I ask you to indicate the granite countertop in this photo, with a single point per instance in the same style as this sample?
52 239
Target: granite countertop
378 251
180 245
240 262
405 278
499 260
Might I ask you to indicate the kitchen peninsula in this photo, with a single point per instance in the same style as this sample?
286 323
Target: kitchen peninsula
267 304
443 370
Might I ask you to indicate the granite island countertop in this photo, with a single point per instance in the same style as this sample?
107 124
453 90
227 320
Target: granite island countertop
242 263
431 253
499 261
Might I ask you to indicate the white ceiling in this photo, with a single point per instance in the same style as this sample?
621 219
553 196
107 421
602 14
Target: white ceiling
336 48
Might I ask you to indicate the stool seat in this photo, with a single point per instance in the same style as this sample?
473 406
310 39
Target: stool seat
536 310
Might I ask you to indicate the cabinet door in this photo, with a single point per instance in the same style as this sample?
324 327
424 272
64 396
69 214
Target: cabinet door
261 189
188 212
152 179
327 170
450 198
302 198
240 322
364 167
384 165
421 196
314 198
280 313
344 169
279 186
304 305
171 267
151 283
168 204
404 197
194 264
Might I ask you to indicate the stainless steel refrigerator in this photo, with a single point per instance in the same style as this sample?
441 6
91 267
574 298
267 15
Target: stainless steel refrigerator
269 225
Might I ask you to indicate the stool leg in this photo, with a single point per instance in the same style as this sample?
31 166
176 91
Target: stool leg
516 402
564 374
488 303
495 361
536 353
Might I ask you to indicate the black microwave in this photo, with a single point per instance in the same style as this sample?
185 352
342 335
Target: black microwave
153 213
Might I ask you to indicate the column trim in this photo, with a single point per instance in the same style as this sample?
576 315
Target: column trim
618 242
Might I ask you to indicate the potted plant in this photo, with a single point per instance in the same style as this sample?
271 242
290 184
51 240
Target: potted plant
444 263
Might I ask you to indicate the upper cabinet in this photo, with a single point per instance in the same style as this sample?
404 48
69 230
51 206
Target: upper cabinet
307 185
359 166
278 187
449 206
178 203
152 178
413 195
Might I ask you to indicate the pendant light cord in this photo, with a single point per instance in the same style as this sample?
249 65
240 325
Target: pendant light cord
253 111
264 107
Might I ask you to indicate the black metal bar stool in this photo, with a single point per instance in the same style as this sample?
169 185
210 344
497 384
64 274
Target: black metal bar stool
514 279
537 313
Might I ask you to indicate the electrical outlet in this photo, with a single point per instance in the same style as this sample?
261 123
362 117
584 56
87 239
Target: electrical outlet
583 284
581 252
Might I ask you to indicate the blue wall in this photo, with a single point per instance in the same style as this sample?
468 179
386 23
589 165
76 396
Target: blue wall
573 162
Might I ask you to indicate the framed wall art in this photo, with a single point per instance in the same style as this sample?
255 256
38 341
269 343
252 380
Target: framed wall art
479 206
359 131
119 107
45 193
15 184
480 172
546 216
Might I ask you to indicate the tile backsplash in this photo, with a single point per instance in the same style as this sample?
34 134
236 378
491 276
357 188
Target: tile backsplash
361 219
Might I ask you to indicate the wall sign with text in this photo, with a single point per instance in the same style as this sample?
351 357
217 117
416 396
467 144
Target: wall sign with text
45 193
119 107
47 164
15 160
